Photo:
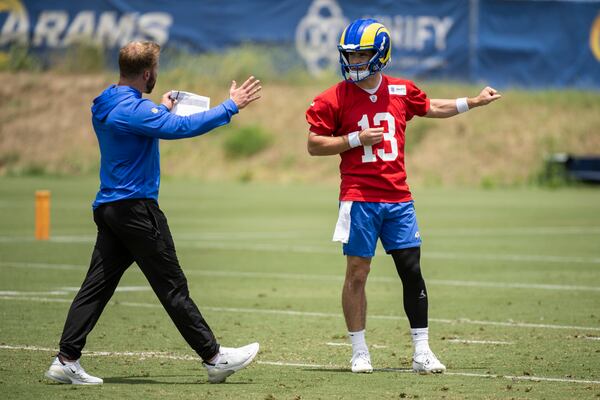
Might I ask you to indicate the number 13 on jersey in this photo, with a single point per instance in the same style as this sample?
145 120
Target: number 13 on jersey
389 136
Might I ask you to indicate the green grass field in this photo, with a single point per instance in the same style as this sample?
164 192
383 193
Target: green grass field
513 279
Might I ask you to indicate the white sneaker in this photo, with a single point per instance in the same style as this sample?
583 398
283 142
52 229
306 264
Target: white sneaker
70 372
231 360
427 363
361 362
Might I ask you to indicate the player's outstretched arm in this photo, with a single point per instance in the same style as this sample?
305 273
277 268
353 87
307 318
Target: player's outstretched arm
444 108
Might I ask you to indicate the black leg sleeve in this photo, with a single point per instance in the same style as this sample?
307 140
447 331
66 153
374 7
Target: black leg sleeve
415 293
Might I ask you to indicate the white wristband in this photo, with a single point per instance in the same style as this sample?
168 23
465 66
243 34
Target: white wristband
354 140
462 105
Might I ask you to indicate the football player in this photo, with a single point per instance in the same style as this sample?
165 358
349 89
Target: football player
363 119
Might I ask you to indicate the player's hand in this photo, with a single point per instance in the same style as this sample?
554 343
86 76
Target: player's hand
371 136
245 94
487 95
167 101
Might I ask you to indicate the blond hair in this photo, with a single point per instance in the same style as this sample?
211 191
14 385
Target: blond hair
136 57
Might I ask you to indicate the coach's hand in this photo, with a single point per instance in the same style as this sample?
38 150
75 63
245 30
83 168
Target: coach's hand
245 94
167 101
371 136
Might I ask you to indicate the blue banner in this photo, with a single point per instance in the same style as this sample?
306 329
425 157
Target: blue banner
539 43
429 38
503 42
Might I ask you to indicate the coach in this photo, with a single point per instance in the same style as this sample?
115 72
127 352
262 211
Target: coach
131 226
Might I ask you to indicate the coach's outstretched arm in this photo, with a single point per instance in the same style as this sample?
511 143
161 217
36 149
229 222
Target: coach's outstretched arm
444 108
159 122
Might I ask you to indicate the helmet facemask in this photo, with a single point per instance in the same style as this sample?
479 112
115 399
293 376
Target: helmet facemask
358 72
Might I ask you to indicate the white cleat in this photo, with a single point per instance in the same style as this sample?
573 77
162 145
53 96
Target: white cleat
361 363
230 361
70 372
427 363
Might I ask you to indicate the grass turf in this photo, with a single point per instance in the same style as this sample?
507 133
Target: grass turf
517 267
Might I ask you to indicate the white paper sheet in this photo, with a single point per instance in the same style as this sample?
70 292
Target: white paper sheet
189 103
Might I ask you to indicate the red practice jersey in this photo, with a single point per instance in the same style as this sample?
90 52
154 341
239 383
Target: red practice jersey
370 173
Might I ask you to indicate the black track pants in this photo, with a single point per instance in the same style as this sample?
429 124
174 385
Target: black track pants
128 231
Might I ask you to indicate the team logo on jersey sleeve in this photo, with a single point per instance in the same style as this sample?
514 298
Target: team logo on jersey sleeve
398 90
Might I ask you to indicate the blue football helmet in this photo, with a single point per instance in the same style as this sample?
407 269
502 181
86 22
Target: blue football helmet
364 34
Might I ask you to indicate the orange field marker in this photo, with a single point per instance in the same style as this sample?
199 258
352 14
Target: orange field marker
42 214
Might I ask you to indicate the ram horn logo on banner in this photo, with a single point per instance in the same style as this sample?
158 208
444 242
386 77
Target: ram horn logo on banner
595 38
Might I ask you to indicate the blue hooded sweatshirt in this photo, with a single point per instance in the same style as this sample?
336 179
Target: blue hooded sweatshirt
128 128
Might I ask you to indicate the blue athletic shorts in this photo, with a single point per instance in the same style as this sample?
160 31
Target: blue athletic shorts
360 224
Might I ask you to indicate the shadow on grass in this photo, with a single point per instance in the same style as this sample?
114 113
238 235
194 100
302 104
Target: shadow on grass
151 380
337 370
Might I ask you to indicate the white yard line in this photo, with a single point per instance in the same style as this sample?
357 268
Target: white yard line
332 249
69 290
321 314
168 356
442 232
140 354
334 344
511 377
326 278
61 267
40 299
513 285
234 236
123 289
466 341
19 293
517 231
512 257
441 282
428 254
591 337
